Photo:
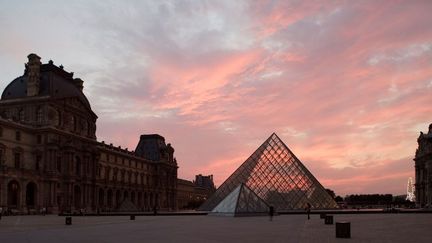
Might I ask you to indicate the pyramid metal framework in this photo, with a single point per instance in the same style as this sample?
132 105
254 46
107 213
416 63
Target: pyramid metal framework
241 202
277 176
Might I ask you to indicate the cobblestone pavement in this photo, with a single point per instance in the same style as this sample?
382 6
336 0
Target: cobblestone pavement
284 228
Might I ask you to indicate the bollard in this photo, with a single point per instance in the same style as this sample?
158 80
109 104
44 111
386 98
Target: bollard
322 215
132 217
68 220
343 229
328 219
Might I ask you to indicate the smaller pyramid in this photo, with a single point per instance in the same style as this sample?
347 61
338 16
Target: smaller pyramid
242 201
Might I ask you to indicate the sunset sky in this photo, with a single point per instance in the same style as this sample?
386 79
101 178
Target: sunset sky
345 84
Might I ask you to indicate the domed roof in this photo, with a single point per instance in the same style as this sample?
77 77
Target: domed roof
54 82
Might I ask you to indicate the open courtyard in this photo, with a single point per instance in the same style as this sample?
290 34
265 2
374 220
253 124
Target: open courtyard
283 228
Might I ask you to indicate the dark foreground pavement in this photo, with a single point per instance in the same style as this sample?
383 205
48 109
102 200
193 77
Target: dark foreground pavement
284 228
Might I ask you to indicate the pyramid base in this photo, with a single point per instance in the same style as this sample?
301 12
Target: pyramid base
238 214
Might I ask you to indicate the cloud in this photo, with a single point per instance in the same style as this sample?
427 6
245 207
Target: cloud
345 84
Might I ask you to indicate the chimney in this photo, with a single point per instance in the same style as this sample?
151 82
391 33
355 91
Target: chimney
33 74
79 83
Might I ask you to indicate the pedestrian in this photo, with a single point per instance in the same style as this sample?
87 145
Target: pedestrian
271 213
308 209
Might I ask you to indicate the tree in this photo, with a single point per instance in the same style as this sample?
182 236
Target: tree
331 193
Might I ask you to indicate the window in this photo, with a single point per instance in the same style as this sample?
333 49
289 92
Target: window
1 155
18 135
38 160
59 167
107 172
72 122
39 115
17 157
78 166
21 115
88 165
115 174
59 118
39 139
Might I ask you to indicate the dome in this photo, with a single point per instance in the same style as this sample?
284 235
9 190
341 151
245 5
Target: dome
54 82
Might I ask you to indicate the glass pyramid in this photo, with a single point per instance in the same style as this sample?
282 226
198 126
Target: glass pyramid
277 176
241 202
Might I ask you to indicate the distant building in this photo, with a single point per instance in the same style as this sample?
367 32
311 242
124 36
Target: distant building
50 158
423 169
205 182
191 194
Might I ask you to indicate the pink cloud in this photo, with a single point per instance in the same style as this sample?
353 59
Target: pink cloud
344 84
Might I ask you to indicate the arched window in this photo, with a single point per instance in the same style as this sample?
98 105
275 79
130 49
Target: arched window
13 194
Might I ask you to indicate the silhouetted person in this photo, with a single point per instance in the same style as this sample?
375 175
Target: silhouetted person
155 210
308 209
271 213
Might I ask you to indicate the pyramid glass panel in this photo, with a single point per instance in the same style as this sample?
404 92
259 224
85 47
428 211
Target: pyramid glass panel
242 201
278 177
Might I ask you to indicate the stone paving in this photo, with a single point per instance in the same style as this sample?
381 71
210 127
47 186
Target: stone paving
284 228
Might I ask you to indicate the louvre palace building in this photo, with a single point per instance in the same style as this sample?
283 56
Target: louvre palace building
423 169
50 157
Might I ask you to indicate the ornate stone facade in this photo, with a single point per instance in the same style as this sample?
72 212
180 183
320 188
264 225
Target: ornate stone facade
50 158
423 169
191 194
